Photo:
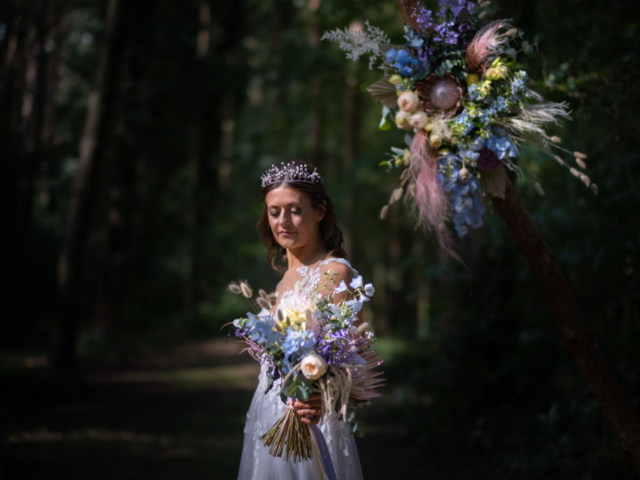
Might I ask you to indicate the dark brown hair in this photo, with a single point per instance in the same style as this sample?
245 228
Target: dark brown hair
330 233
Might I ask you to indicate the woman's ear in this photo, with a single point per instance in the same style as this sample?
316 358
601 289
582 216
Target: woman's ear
321 212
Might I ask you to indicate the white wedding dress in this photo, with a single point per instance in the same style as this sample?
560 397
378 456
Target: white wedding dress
267 408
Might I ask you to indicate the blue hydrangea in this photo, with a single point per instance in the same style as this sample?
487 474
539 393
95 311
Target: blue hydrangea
466 196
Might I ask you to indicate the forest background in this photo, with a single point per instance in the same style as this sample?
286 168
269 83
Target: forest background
131 155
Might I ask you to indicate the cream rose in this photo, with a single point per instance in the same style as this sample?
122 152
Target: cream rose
313 366
418 121
408 102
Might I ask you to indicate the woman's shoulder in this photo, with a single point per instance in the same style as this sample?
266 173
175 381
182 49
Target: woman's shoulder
338 265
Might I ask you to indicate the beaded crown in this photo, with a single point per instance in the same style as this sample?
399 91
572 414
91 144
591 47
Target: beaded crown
290 172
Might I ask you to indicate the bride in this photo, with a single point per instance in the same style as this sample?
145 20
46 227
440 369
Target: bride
298 225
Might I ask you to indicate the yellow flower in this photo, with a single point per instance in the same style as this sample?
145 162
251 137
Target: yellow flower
497 73
472 79
436 140
395 79
292 318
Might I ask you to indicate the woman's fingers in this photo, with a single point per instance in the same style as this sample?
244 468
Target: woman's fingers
310 421
311 403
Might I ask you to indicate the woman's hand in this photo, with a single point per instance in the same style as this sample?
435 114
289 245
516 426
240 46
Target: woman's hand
310 410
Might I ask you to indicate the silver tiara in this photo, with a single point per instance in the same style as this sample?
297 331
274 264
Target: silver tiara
290 172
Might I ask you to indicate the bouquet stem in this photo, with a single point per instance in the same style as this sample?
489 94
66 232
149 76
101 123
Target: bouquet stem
289 437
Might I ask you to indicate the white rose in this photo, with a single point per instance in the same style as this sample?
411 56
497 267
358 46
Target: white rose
418 121
313 366
408 102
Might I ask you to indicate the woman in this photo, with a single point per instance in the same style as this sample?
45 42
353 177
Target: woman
299 225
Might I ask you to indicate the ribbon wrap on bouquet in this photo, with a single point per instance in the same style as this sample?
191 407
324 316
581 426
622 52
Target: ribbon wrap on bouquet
322 455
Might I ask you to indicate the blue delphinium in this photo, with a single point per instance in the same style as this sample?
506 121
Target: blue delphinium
402 61
298 343
263 333
466 196
500 104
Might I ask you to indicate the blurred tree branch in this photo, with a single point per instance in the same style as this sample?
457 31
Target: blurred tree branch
575 332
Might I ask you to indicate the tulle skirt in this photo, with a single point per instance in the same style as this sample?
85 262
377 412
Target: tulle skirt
258 464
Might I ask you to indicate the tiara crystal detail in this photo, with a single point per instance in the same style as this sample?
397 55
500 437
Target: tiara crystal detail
290 172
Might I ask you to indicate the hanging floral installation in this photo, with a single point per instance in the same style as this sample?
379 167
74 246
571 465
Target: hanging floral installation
468 108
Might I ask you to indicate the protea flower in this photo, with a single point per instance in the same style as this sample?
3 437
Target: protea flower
440 95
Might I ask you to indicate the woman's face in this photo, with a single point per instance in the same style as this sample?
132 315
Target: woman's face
293 221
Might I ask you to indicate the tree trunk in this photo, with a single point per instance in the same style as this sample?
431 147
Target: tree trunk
92 147
119 220
194 160
32 110
577 336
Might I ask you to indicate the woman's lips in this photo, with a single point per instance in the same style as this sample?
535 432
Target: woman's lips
286 234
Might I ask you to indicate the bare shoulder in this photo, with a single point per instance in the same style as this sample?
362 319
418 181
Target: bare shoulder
338 270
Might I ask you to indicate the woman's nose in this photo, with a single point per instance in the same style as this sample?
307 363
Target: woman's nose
284 219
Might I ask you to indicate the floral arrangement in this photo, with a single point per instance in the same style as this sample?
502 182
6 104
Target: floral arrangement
313 347
457 90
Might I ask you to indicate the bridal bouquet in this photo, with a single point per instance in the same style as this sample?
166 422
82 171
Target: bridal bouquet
312 345
468 108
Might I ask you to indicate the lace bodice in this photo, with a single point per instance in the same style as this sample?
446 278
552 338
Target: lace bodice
296 296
